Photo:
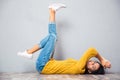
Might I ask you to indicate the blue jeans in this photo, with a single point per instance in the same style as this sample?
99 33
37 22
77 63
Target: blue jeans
47 46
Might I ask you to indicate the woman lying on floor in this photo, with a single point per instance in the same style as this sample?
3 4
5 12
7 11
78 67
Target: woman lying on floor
47 65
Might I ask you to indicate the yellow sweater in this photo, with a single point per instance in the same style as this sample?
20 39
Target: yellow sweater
69 66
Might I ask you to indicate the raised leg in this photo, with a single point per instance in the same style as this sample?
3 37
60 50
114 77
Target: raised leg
48 48
52 29
45 53
52 32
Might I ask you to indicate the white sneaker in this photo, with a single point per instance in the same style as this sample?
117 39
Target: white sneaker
25 54
57 6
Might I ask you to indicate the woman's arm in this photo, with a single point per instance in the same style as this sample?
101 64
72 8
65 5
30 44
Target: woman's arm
103 61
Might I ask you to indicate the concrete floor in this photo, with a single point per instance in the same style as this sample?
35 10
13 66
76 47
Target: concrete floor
36 76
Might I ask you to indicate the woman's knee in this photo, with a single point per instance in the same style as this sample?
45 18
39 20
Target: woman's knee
53 36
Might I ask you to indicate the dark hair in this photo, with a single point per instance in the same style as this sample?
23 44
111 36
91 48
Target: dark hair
99 71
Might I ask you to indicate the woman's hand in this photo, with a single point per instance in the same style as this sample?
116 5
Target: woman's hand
106 63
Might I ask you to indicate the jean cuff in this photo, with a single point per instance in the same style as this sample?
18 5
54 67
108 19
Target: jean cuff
51 22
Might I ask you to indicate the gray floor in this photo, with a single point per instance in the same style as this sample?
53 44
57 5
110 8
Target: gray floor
36 76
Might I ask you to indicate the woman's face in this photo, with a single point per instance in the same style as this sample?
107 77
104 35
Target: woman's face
92 65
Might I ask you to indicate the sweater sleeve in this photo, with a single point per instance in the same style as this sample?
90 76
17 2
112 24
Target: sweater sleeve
91 52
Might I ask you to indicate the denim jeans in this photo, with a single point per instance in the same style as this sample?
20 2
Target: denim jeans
47 46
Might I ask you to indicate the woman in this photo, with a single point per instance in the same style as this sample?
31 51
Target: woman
47 65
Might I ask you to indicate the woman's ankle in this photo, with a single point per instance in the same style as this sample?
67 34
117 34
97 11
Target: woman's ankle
29 52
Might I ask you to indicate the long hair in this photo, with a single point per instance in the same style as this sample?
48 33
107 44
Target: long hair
99 71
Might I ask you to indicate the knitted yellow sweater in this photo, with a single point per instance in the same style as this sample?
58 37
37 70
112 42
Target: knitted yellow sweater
69 66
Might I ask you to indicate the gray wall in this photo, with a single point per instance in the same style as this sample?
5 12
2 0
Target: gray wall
83 24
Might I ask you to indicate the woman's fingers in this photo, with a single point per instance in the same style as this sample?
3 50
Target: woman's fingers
107 64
